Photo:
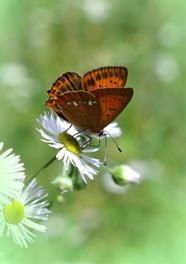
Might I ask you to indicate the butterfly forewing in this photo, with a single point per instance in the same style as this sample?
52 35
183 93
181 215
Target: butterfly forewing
81 108
105 77
69 81
112 102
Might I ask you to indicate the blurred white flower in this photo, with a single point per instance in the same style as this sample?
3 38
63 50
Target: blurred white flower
15 214
11 174
112 130
97 11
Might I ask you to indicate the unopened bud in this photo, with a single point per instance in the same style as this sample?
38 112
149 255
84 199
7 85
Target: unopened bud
63 183
123 175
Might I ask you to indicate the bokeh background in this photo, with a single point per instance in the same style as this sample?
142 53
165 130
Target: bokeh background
41 39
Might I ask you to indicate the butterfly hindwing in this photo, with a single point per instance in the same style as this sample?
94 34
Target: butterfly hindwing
80 108
105 77
52 104
112 103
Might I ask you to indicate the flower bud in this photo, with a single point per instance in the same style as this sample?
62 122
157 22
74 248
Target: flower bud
123 175
63 183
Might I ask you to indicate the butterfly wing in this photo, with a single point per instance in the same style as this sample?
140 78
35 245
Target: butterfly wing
105 77
112 103
80 108
69 81
55 107
93 102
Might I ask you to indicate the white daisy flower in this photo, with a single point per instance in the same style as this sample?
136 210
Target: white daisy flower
16 213
11 174
70 150
112 130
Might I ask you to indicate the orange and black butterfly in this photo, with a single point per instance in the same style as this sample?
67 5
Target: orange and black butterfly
93 101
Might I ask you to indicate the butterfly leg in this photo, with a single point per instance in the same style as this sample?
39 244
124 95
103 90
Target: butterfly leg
86 143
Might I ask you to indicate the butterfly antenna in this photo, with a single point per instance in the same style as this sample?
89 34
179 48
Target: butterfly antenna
114 141
105 156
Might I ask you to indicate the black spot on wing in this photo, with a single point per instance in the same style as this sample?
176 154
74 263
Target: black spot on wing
91 82
98 77
105 75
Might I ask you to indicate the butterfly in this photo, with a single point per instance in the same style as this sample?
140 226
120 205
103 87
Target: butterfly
93 101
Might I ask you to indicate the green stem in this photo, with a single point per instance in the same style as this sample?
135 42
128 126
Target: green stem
106 168
42 169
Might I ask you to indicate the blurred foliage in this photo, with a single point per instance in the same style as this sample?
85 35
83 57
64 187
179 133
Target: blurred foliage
41 39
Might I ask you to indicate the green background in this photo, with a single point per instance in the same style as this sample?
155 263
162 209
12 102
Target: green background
39 40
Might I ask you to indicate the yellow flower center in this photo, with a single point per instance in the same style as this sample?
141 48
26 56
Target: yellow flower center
70 143
14 212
